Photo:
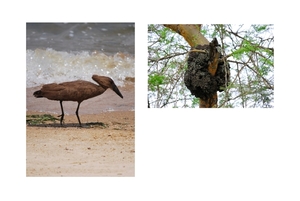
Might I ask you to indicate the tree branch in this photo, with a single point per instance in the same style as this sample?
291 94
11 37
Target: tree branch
190 32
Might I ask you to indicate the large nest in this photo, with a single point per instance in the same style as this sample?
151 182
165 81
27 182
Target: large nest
197 78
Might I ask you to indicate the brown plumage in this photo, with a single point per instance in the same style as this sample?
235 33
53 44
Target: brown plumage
78 91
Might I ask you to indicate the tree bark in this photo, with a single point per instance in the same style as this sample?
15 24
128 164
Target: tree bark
191 33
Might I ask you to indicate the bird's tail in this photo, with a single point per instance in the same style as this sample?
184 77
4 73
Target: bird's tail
38 94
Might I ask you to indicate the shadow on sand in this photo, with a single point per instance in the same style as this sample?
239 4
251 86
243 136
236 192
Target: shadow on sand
71 125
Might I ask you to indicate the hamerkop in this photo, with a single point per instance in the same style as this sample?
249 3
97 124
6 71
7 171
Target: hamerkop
78 90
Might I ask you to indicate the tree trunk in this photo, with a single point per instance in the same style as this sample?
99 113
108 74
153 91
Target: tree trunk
191 33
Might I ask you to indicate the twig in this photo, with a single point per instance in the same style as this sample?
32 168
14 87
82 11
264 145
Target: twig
201 51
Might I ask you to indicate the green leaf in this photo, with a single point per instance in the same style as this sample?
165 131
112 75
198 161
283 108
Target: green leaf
195 102
204 31
246 47
259 28
155 80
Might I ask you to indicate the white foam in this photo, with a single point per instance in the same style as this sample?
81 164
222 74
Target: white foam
48 66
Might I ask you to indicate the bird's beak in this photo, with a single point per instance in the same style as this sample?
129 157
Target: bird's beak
115 89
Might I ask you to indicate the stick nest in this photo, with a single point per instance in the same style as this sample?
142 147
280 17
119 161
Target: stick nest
198 79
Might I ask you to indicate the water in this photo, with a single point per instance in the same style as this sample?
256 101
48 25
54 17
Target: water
59 52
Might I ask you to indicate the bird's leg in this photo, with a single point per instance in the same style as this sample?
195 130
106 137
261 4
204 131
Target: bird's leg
62 113
77 113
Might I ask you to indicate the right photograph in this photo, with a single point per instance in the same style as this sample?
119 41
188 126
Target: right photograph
210 66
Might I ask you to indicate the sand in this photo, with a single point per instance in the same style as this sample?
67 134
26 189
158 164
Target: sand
69 150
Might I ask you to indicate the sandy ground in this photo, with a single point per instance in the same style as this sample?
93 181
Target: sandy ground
69 150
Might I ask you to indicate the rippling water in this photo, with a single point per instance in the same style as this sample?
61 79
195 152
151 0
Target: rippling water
58 52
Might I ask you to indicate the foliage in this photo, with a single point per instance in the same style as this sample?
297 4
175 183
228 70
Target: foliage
166 53
36 119
248 49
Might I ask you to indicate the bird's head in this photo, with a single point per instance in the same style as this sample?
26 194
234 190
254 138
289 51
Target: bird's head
106 82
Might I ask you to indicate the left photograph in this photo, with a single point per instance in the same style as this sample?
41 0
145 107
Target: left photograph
80 93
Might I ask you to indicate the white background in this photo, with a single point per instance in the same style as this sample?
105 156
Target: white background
182 154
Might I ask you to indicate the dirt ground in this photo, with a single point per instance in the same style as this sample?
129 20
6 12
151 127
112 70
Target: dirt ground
53 150
107 148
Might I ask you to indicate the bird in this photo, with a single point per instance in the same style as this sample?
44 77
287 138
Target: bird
78 91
